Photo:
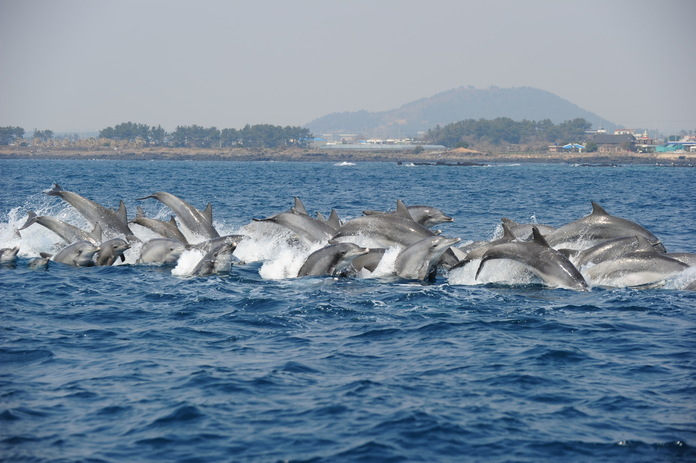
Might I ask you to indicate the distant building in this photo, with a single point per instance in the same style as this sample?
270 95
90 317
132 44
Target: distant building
613 143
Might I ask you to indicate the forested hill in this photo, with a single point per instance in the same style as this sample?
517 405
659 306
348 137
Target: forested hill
454 105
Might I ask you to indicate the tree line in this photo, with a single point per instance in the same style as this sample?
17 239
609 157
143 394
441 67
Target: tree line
194 136
504 130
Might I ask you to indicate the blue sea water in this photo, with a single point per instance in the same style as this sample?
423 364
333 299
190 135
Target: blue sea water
139 363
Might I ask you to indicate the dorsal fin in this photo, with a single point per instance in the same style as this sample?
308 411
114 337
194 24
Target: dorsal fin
568 253
507 234
122 212
299 207
538 238
402 210
321 217
597 209
96 233
509 222
334 221
208 213
139 212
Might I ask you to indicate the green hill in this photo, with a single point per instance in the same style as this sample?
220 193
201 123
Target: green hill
454 105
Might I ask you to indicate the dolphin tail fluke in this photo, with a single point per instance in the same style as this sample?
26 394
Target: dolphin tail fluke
56 190
31 219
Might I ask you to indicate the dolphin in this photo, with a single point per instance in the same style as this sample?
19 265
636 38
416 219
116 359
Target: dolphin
334 259
548 264
607 250
393 229
8 255
161 251
68 233
638 268
111 250
208 245
311 229
597 227
78 254
523 231
196 221
39 263
427 216
479 251
217 259
689 258
163 228
419 261
115 222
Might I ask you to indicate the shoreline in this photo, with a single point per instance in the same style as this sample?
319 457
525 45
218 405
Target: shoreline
451 157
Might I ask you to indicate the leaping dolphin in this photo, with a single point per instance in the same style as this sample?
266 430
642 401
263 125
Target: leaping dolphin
161 251
427 216
68 233
641 268
216 260
115 222
548 264
333 259
8 255
111 250
196 221
597 227
78 254
165 229
394 229
309 228
419 261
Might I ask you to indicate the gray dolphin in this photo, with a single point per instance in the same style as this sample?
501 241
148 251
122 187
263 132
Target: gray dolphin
523 231
78 254
393 229
689 258
197 221
427 216
161 251
115 222
39 263
548 264
68 233
307 227
597 227
333 259
8 255
111 250
208 245
163 228
639 268
478 251
218 259
610 249
419 261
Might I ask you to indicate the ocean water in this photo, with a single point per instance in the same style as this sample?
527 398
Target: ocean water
146 363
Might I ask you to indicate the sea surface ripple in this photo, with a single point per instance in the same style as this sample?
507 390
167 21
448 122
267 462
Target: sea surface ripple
133 363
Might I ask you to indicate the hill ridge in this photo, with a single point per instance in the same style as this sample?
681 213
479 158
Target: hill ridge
457 104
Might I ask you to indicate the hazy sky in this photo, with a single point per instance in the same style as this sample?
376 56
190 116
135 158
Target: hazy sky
83 65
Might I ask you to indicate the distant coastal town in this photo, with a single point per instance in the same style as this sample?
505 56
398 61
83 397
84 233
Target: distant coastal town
452 143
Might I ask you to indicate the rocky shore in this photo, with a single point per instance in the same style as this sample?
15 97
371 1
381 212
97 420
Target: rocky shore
451 157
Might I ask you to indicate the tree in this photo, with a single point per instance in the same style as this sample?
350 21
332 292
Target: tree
9 135
43 135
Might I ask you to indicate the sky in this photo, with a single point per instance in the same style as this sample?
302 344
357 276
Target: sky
84 65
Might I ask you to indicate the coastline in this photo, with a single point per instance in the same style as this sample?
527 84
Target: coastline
450 157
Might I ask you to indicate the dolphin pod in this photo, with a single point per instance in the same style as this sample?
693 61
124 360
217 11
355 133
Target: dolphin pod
596 250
